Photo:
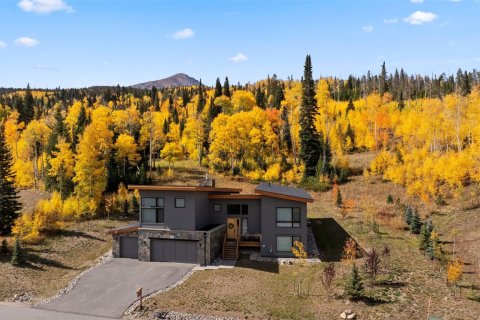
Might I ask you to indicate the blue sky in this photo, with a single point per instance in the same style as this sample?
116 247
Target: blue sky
78 43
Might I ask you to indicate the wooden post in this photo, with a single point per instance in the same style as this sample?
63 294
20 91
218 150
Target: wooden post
140 296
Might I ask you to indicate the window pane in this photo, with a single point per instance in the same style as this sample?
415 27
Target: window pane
244 226
217 208
160 216
160 202
244 209
179 203
233 209
148 202
295 238
296 216
284 214
149 215
284 244
296 224
284 224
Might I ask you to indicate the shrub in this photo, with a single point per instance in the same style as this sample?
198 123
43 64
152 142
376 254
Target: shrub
316 184
408 215
328 275
350 251
339 200
4 248
18 255
372 264
354 285
298 250
390 199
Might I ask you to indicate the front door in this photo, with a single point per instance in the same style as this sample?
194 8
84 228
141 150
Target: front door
233 227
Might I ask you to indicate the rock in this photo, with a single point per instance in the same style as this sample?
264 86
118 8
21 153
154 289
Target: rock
352 316
343 315
348 311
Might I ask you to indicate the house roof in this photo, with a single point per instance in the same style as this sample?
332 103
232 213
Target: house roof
283 192
184 188
125 229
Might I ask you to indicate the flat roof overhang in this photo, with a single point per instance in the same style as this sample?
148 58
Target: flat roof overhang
184 188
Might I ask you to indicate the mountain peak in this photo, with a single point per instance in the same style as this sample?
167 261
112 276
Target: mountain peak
177 80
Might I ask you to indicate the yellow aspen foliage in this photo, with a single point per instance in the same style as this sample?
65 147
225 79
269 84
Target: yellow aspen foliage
273 173
171 152
243 101
298 250
454 271
62 161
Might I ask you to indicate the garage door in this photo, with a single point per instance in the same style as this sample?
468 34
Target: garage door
129 247
173 250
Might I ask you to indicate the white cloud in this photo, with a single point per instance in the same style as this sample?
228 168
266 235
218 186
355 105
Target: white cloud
44 6
3 44
416 1
421 17
240 57
26 42
390 21
183 34
367 28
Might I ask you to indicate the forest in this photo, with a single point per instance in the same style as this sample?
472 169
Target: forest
83 145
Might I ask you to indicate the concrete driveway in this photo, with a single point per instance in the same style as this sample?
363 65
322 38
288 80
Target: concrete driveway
108 290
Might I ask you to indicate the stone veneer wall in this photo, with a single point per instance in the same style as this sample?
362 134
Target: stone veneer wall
211 251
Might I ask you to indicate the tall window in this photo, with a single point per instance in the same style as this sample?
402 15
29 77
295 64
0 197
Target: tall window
285 243
179 202
152 210
288 217
244 225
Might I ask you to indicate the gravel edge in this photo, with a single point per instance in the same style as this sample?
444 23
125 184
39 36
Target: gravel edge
100 261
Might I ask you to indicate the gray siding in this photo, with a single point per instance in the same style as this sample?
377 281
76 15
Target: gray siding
254 213
175 218
202 210
269 225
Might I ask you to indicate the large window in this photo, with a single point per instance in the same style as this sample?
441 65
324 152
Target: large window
233 209
288 217
152 210
285 243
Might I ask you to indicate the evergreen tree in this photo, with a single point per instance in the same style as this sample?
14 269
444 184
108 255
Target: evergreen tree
260 98
401 102
416 224
27 113
218 89
286 134
166 126
354 286
201 98
81 125
389 199
350 106
9 203
408 215
126 207
18 255
425 235
339 200
310 142
154 98
226 88
383 81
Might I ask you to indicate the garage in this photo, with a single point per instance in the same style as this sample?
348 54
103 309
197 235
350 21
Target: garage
129 247
173 250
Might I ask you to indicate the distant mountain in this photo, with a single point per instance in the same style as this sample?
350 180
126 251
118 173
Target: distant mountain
177 80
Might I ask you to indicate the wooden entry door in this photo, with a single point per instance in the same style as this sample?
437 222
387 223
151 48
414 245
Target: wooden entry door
233 228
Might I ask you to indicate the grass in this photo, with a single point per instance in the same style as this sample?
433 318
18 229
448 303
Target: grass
53 263
408 287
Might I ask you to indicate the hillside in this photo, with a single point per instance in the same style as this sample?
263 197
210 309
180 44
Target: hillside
177 80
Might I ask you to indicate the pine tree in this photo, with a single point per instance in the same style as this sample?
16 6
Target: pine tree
426 234
126 207
27 108
310 142
18 255
201 98
218 89
339 200
408 215
383 81
416 224
286 134
260 97
9 199
354 286
226 88
389 199
350 107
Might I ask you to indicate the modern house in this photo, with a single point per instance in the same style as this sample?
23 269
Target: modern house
197 224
